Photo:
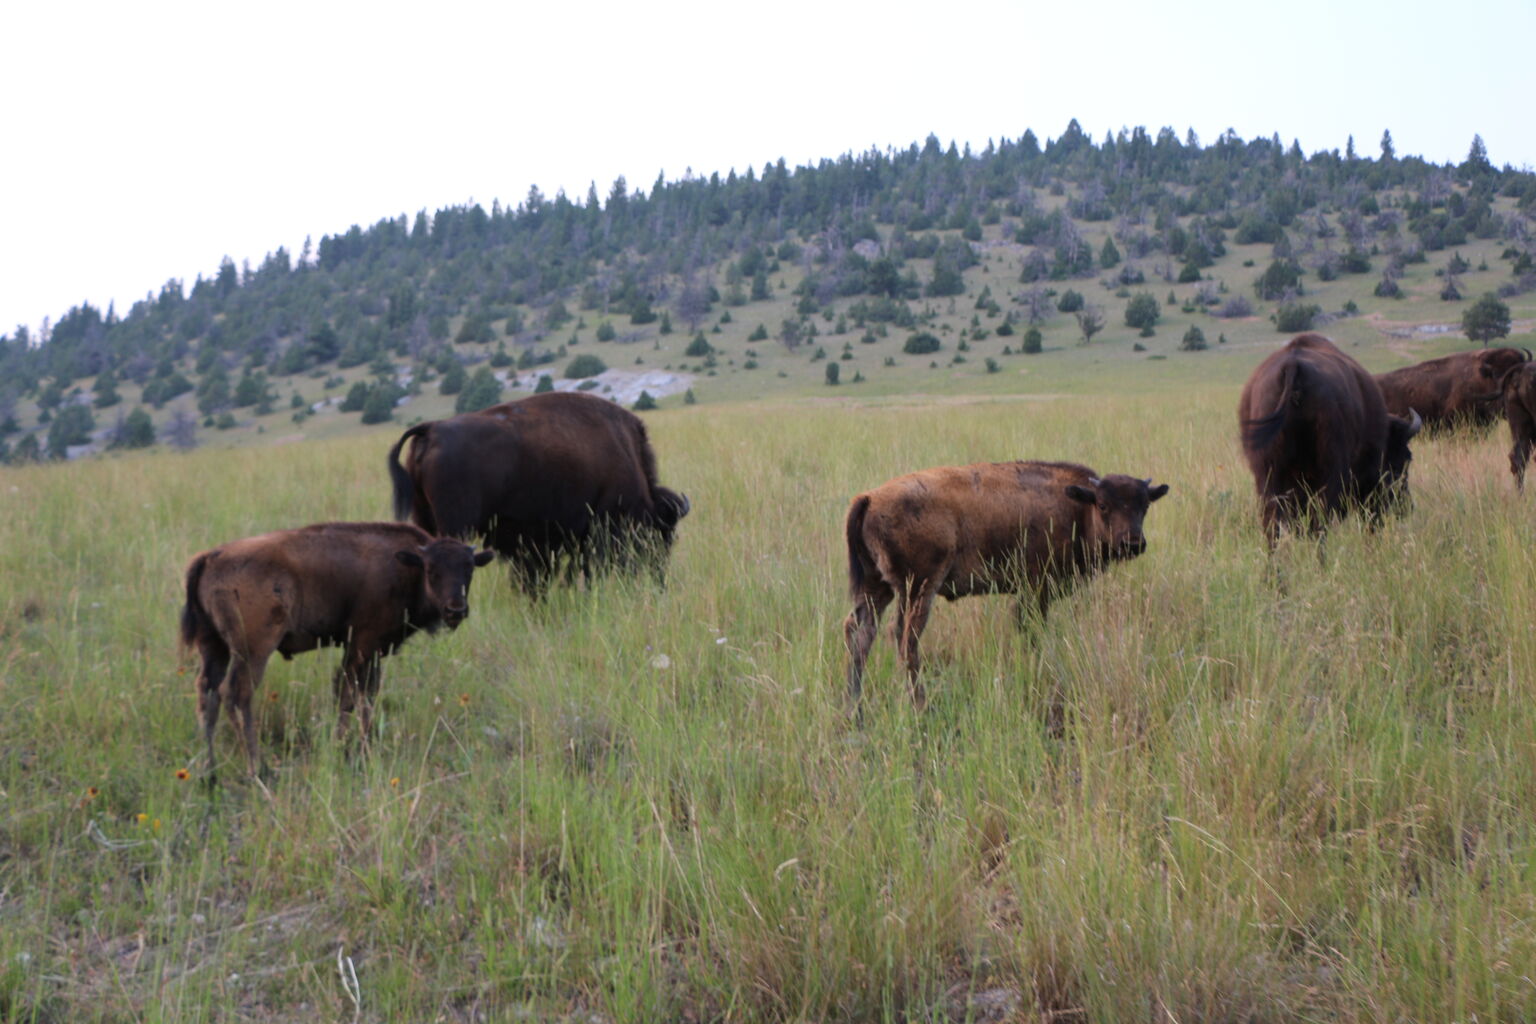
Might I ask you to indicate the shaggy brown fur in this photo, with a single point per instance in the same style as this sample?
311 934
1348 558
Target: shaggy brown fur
558 475
364 586
1458 388
1318 438
1518 390
1031 528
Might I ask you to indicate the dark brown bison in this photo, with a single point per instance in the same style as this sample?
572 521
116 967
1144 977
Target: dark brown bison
556 477
1030 528
364 586
1518 390
1318 437
1454 389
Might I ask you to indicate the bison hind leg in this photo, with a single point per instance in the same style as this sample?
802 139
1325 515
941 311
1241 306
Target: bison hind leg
210 678
859 631
916 604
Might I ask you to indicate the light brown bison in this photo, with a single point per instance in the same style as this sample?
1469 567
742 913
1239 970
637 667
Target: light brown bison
1458 388
1030 528
556 477
1518 390
364 586
1318 437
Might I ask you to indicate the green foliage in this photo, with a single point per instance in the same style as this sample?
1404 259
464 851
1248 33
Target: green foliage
106 390
502 358
698 347
454 378
1109 255
1294 317
605 331
644 403
1142 311
483 390
689 398
379 407
1486 319
1281 278
921 344
584 365
545 384
138 430
1033 342
1070 301
759 333
832 374
72 426
1193 340
357 397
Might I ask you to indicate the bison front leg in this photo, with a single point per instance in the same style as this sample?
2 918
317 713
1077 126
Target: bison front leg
356 682
859 631
1519 459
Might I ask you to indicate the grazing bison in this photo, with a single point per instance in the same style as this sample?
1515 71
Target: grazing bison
1316 430
1031 528
1519 393
1458 388
561 475
366 586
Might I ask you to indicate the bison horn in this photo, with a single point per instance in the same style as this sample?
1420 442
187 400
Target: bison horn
687 506
1415 422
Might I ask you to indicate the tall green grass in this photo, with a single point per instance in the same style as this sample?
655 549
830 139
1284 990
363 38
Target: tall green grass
1207 789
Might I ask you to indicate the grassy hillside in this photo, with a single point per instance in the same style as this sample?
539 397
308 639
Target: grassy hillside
1196 795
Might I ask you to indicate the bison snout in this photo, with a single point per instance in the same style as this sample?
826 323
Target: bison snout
454 616
1135 546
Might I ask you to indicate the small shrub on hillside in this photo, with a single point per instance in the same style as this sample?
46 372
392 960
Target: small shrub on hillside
1295 317
584 365
921 344
1194 340
699 347
644 403
545 384
1032 342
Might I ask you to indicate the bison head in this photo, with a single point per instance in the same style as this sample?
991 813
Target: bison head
1394 468
670 508
446 567
1119 504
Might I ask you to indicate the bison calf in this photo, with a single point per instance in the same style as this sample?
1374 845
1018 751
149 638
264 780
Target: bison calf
1030 528
364 586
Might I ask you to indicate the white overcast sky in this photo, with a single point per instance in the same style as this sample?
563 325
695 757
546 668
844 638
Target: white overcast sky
147 140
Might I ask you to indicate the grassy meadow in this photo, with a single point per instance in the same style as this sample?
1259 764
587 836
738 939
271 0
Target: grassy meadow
1205 791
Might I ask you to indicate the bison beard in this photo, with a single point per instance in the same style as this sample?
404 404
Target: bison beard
556 481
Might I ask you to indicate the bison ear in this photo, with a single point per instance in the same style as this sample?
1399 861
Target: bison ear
1157 492
483 557
409 558
1085 495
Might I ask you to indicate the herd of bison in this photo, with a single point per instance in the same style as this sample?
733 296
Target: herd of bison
565 483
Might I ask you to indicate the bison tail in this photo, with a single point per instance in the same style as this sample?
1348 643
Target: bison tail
1261 432
194 617
404 486
858 551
